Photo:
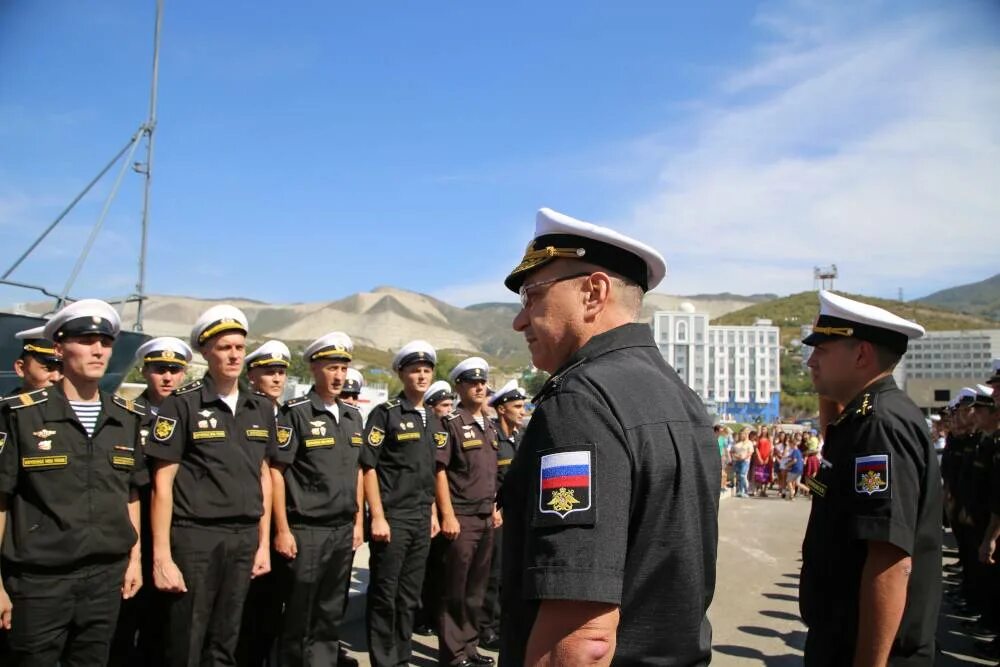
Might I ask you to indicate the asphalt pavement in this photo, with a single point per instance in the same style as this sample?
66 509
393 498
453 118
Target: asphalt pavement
755 615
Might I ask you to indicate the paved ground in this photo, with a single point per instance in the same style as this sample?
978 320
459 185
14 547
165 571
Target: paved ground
755 613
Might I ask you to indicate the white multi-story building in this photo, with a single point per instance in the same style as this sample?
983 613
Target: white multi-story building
735 369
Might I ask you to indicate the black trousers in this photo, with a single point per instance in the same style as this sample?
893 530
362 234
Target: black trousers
67 618
312 586
397 571
203 625
432 589
138 639
258 629
489 622
466 572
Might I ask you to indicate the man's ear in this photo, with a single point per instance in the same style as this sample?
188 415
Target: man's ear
19 367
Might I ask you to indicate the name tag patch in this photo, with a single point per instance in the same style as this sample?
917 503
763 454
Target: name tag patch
123 461
565 487
406 437
258 433
44 462
320 442
871 474
472 444
208 435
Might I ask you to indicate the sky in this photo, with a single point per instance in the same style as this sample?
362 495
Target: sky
306 151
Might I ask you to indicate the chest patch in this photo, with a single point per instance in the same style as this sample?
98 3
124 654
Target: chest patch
565 483
871 474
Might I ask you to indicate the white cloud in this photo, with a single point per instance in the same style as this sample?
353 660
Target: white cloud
875 146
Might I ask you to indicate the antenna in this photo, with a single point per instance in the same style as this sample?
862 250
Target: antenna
823 277
145 130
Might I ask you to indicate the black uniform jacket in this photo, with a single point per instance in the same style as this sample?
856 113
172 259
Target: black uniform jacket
879 481
400 449
613 498
220 454
321 455
69 492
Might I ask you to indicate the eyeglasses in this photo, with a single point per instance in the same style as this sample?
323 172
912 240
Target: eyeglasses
526 298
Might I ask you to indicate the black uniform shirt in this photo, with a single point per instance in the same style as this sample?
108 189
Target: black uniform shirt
613 498
321 455
69 492
470 460
879 481
400 449
995 476
982 472
220 454
506 448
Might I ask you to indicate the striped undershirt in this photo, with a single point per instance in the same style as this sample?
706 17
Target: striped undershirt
423 414
481 420
87 413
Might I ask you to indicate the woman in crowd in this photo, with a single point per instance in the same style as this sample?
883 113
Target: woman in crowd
792 464
761 462
780 450
740 453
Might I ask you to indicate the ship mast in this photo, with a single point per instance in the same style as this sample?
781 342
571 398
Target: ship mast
144 132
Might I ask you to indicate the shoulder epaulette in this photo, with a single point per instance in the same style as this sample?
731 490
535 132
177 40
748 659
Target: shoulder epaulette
189 387
554 383
18 401
128 404
392 403
450 416
295 402
353 407
867 405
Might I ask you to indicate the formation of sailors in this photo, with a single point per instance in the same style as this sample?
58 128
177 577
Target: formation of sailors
210 523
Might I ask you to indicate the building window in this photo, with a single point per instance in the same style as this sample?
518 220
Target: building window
682 332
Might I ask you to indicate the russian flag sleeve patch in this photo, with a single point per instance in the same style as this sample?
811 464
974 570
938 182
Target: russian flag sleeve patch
565 487
871 474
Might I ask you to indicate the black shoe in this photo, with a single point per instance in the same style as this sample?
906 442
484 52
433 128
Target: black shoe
483 660
490 642
424 630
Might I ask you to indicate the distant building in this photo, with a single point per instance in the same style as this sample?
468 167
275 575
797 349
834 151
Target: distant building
940 363
735 369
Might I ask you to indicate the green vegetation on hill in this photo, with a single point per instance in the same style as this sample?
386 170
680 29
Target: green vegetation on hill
791 312
982 298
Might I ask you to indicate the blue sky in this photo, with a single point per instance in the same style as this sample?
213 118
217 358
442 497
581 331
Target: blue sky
309 150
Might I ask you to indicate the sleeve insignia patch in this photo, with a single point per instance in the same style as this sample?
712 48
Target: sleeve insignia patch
871 474
440 439
284 436
376 436
564 483
164 428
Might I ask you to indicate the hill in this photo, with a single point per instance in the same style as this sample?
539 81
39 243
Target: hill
981 298
384 319
791 312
